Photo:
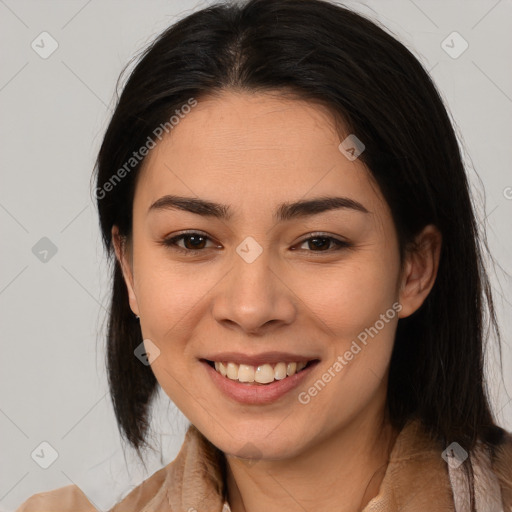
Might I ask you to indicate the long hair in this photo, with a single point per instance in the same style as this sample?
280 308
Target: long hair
322 52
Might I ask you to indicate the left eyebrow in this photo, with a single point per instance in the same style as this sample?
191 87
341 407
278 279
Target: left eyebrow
284 212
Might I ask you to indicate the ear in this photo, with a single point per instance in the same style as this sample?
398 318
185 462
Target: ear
420 270
123 256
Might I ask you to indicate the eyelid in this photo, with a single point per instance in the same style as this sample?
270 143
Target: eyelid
322 234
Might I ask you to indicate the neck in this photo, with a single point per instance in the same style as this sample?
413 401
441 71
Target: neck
346 468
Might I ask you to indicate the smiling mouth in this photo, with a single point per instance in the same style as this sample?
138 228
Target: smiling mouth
261 374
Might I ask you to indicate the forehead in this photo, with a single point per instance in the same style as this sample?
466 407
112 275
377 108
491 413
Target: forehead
253 150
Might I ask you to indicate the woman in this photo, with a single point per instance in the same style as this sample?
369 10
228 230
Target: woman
297 265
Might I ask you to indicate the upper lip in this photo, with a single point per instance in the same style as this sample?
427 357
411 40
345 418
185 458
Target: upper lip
257 359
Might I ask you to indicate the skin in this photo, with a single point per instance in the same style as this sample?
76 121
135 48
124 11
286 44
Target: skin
253 152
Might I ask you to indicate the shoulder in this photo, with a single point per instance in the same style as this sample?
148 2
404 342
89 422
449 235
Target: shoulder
64 499
194 475
72 499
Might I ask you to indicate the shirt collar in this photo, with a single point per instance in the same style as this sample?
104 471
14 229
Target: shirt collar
416 478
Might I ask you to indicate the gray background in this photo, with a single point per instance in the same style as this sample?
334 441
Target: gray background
54 113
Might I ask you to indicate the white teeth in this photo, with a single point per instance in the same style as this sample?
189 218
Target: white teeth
291 368
280 371
222 369
300 366
232 371
246 373
262 374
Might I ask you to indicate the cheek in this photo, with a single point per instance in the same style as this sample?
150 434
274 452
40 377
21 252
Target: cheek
170 303
167 293
352 296
357 308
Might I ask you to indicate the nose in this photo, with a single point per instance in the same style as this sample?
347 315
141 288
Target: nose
253 298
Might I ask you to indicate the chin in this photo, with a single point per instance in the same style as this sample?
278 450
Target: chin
260 444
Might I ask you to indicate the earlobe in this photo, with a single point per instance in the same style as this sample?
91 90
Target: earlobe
120 248
420 270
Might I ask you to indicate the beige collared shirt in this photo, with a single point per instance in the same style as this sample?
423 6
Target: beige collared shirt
417 479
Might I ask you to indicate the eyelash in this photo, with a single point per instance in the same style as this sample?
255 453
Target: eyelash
172 243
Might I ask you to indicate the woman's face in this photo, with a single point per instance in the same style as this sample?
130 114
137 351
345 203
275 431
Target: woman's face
255 289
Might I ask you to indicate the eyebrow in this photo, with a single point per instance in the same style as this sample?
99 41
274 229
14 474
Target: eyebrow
284 212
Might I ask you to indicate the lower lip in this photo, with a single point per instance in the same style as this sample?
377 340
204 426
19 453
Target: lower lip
257 394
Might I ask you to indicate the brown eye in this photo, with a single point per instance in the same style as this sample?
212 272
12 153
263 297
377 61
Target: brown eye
192 242
322 243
